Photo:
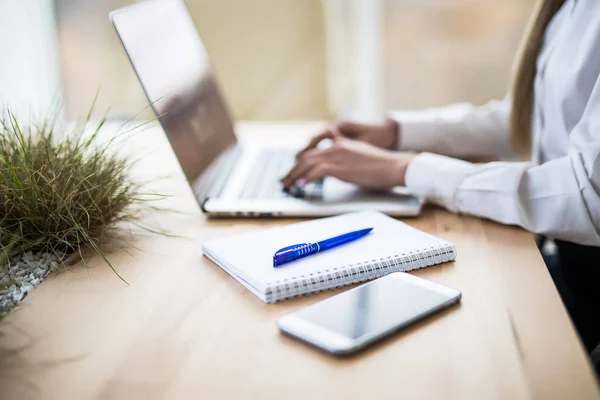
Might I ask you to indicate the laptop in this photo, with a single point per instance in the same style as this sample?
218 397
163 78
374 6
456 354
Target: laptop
229 178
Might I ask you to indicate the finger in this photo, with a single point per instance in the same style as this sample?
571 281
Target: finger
296 173
314 142
336 135
306 162
352 129
317 172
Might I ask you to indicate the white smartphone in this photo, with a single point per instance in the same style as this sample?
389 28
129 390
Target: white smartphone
347 322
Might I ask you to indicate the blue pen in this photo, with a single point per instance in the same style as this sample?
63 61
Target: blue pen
297 251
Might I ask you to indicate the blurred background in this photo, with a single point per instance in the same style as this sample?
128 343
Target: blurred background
276 59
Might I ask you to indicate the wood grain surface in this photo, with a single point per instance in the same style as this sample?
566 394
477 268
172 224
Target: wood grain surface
184 329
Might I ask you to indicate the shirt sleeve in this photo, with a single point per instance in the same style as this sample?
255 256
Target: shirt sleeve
460 130
559 198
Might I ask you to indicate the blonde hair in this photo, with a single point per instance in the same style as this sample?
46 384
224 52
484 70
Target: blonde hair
522 87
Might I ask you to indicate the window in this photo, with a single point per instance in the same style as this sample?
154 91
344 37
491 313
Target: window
290 59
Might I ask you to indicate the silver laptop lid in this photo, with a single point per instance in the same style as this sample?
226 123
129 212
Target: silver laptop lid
173 67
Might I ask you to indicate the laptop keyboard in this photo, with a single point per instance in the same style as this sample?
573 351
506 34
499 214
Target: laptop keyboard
270 166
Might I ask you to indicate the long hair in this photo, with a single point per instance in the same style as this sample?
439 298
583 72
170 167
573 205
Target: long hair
522 87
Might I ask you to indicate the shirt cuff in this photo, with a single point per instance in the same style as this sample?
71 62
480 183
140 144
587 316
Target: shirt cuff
436 178
414 129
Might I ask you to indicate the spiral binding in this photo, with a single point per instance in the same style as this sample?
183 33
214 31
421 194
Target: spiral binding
359 272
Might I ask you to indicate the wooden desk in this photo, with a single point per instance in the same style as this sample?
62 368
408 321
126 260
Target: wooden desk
184 329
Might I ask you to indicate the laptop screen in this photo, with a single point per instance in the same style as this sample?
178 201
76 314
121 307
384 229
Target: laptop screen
174 69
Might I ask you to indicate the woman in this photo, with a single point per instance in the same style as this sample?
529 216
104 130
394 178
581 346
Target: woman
552 116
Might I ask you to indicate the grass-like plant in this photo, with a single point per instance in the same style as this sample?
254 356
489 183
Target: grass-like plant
62 189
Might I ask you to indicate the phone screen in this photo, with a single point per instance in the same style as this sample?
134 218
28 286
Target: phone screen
374 308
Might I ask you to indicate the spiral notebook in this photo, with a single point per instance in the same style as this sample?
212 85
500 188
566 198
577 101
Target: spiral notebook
392 246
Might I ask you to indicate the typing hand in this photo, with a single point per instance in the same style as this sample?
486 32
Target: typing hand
382 135
351 161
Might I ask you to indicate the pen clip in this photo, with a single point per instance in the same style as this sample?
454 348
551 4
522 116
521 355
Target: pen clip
288 248
293 253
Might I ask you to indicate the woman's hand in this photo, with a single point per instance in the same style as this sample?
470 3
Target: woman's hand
382 135
351 161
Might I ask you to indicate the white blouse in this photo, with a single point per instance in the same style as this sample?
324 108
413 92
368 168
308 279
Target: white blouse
556 194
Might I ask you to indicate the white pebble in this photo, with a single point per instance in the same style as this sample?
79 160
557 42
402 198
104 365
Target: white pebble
24 273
